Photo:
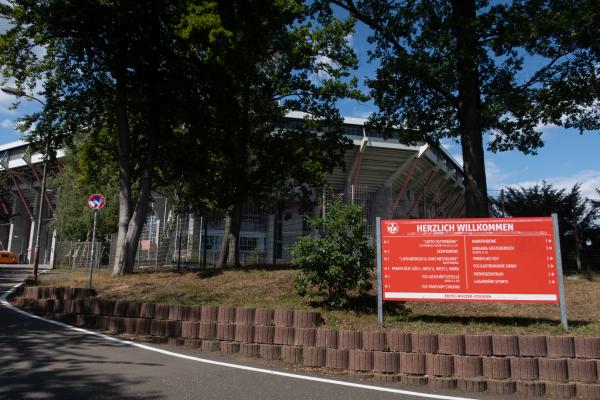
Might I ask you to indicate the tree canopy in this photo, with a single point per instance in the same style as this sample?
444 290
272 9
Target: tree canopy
577 217
182 87
267 58
484 72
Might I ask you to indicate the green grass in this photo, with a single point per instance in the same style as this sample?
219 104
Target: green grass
273 288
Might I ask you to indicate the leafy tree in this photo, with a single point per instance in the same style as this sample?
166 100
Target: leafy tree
459 69
105 65
338 260
266 57
575 216
73 218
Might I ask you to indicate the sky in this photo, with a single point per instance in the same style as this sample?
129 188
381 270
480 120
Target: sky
567 157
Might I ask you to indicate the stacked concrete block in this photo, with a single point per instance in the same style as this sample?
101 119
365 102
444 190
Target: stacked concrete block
194 313
264 334
264 316
326 338
209 313
226 315
226 332
284 335
560 346
270 351
505 345
283 318
399 341
306 319
562 367
360 360
305 337
468 366
313 356
413 363
385 361
336 358
424 342
451 344
374 340
349 340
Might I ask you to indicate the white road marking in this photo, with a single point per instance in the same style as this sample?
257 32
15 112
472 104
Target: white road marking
5 303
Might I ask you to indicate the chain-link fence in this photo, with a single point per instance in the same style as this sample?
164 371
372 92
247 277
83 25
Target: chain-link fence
195 241
76 255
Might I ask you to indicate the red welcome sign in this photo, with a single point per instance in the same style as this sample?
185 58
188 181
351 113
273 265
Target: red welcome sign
483 260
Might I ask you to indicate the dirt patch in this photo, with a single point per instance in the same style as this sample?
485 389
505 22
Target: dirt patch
273 288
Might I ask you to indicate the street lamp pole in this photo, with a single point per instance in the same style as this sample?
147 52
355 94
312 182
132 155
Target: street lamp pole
36 255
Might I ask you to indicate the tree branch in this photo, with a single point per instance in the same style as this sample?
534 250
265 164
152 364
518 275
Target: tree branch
535 78
412 68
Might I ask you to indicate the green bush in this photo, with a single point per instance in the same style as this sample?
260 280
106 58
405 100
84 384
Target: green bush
338 260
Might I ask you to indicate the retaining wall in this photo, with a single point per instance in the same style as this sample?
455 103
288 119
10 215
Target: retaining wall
553 366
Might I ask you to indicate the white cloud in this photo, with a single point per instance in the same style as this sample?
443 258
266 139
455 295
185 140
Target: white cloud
589 180
548 130
360 114
324 63
7 124
495 175
350 39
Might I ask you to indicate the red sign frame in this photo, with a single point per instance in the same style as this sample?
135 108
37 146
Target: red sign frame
469 260
94 204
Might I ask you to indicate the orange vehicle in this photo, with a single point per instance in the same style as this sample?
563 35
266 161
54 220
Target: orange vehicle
8 257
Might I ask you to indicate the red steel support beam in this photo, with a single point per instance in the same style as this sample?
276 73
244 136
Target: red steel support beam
420 196
443 204
405 184
437 192
12 176
454 204
4 207
356 171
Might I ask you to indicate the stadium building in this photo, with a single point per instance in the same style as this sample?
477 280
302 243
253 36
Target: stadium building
388 178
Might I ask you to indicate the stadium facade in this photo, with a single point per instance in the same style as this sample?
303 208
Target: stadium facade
388 178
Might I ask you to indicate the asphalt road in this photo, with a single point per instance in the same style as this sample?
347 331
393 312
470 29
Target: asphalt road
39 360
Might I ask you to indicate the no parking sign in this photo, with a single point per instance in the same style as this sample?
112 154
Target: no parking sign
96 201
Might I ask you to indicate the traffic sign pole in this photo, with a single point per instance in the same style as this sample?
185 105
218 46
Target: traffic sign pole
559 273
379 280
96 201
93 246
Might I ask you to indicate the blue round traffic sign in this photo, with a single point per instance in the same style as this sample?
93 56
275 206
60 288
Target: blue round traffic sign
96 201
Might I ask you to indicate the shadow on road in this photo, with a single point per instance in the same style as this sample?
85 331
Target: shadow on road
42 361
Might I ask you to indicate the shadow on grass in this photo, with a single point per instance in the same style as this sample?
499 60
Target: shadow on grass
504 321
397 311
210 272
365 305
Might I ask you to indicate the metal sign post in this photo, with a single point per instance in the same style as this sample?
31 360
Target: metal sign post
96 202
379 280
559 273
93 247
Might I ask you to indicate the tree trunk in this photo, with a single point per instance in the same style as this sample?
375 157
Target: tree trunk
153 79
230 248
130 226
224 253
469 108
234 244
124 176
134 229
